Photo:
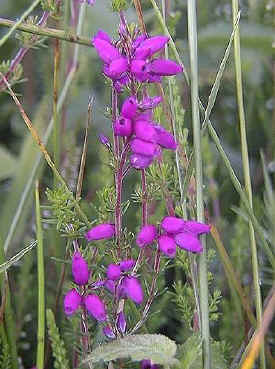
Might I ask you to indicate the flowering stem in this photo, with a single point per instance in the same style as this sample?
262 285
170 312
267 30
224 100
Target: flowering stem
144 198
203 277
41 285
246 170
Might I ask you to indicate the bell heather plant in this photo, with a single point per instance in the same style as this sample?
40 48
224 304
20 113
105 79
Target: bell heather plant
129 260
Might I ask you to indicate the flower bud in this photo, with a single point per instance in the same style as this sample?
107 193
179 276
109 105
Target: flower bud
123 127
146 235
113 272
129 107
133 289
140 161
72 301
172 224
165 138
80 269
108 332
143 147
164 67
104 140
126 265
167 245
150 102
188 242
95 307
121 322
100 232
196 227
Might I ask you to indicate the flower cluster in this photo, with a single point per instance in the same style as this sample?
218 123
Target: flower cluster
130 63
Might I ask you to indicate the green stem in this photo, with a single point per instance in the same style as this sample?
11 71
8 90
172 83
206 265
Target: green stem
246 170
17 24
48 32
203 277
41 285
9 318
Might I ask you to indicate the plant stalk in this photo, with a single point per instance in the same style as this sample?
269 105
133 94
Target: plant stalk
203 277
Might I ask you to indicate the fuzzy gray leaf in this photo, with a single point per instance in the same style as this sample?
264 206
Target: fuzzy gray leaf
190 353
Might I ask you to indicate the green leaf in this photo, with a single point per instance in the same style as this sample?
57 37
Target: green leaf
190 353
15 258
7 163
156 347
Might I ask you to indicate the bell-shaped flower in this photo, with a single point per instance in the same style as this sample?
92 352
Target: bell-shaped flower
106 51
188 241
95 307
80 269
139 161
167 245
165 138
150 46
146 235
72 302
123 127
143 147
145 131
127 264
100 232
165 67
133 289
113 272
129 107
196 228
121 322
172 224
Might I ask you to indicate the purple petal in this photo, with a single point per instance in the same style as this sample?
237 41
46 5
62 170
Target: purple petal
150 46
121 322
145 131
102 35
129 107
172 224
117 67
188 242
105 50
139 70
95 307
143 147
80 269
167 245
133 289
100 232
165 138
140 161
138 41
164 67
126 265
123 127
113 272
72 301
146 235
196 227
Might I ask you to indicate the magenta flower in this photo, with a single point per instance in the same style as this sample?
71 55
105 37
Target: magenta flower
188 241
143 147
126 265
72 301
165 138
196 227
145 131
123 127
150 46
121 322
139 69
100 232
105 50
113 272
140 161
80 269
103 36
117 67
172 224
133 289
167 245
95 307
146 235
164 67
129 107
